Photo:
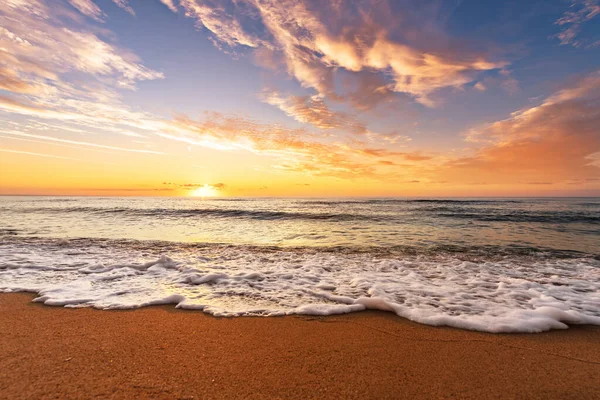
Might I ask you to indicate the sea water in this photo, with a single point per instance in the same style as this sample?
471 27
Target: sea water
494 265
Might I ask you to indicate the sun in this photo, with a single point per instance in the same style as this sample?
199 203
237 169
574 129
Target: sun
205 191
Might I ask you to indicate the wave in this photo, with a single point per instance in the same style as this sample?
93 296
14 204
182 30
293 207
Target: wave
597 204
488 214
478 253
409 201
512 293
553 217
208 212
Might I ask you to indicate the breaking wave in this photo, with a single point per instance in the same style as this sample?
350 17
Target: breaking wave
487 289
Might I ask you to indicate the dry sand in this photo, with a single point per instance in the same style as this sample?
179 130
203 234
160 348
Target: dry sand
160 352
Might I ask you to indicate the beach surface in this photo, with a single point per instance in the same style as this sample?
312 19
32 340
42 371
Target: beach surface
161 352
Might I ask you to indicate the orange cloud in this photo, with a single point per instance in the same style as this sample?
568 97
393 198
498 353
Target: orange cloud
11 82
557 141
293 149
420 73
313 110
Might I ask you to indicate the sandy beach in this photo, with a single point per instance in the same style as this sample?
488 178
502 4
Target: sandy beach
161 352
299 199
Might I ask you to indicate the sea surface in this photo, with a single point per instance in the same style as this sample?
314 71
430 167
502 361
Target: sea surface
494 265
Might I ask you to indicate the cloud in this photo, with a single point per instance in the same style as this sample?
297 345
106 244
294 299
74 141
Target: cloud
30 153
293 150
54 68
11 82
89 8
571 21
72 113
365 90
313 110
224 26
124 4
313 40
552 142
76 142
39 49
480 86
420 73
170 4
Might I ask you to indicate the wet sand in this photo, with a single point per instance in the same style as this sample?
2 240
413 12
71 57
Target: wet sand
161 352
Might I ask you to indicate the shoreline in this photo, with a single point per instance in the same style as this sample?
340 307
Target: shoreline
163 352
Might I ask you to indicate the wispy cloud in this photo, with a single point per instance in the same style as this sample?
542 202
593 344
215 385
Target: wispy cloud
76 142
42 48
31 153
213 16
89 8
313 110
124 4
571 21
21 139
38 50
294 149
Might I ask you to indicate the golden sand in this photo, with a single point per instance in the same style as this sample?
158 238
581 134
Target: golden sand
161 352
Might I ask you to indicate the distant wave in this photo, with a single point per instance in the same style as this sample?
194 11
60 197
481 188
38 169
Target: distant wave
495 214
408 201
554 217
474 252
597 204
209 212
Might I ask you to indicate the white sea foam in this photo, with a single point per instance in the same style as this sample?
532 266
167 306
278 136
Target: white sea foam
498 294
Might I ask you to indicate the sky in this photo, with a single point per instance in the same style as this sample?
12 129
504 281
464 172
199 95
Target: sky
300 98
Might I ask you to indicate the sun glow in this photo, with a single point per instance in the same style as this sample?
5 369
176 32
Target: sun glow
205 191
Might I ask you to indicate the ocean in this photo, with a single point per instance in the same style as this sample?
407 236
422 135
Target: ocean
493 265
